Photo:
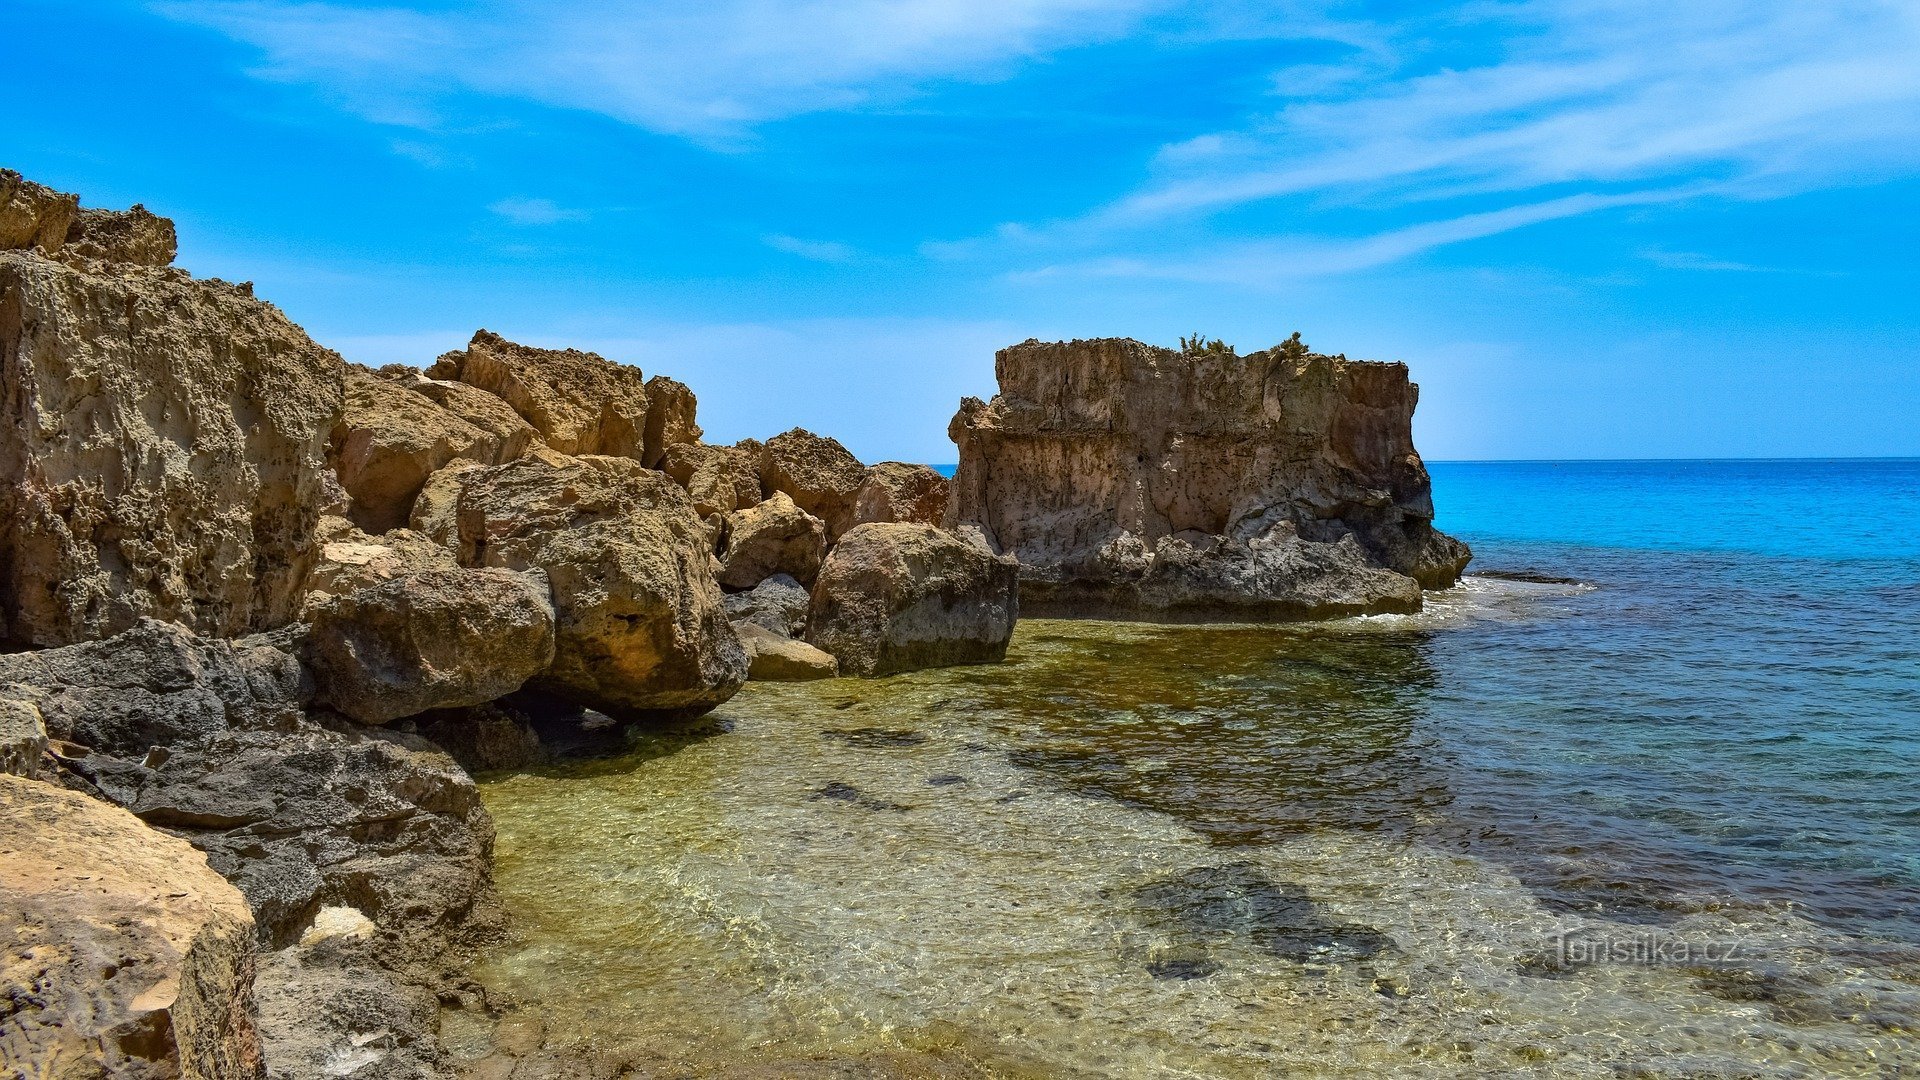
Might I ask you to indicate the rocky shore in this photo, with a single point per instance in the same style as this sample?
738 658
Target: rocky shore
263 611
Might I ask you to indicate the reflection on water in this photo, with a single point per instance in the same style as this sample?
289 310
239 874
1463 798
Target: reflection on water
1168 851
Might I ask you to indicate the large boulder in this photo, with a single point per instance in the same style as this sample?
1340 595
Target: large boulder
719 479
1140 482
775 537
898 491
817 473
640 625
432 639
33 216
123 954
135 235
895 597
389 440
777 658
162 449
579 402
351 560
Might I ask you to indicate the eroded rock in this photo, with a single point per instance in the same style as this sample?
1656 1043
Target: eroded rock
135 235
897 491
779 604
123 954
775 537
389 440
33 216
817 473
776 658
431 639
894 598
640 626
1137 481
719 479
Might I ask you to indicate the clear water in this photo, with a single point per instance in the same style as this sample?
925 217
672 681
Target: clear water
1660 819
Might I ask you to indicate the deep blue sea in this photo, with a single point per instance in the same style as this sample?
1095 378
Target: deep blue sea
1734 706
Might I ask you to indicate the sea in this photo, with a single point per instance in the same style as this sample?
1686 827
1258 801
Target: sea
1640 797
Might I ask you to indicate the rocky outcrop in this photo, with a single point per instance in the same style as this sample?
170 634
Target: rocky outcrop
389 440
640 626
897 491
351 560
777 658
1140 482
136 235
23 738
779 604
895 598
775 537
579 402
161 443
719 479
123 955
817 473
33 216
432 639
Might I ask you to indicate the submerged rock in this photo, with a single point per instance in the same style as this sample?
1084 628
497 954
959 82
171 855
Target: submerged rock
161 441
640 625
896 598
432 639
775 537
123 954
1136 481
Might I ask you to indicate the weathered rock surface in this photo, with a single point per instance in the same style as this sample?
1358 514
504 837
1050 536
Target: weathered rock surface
351 560
894 597
123 955
389 440
775 537
161 448
135 235
579 402
33 216
779 604
483 738
640 625
778 658
818 474
436 509
23 738
897 491
432 639
1135 481
719 479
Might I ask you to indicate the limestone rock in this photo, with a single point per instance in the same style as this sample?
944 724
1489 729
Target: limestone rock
483 738
509 436
775 537
719 479
897 491
351 560
817 473
389 440
33 215
640 626
125 956
670 423
161 451
436 509
135 235
431 639
1142 482
775 658
779 604
579 402
23 737
895 597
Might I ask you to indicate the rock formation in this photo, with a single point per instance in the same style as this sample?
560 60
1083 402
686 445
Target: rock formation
778 604
775 537
778 658
719 479
897 491
390 439
123 955
898 597
640 626
161 438
817 473
1140 482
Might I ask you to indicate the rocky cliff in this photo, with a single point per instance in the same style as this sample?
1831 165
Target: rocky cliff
1143 482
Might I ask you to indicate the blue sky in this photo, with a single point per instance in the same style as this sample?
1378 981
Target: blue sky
1635 228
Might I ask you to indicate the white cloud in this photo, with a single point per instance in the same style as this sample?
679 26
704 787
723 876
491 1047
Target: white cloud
827 251
525 211
709 69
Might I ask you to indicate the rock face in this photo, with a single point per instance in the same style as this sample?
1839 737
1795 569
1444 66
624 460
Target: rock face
123 954
432 639
579 402
1140 482
778 604
719 479
33 216
23 738
640 626
161 441
775 658
389 440
817 473
899 597
897 491
135 236
775 537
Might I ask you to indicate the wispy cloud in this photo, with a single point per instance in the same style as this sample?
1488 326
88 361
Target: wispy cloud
525 211
709 69
826 251
1693 260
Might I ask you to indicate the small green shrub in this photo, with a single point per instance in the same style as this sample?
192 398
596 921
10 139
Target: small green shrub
1198 345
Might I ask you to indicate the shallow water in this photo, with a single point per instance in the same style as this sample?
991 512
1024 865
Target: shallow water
1661 822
